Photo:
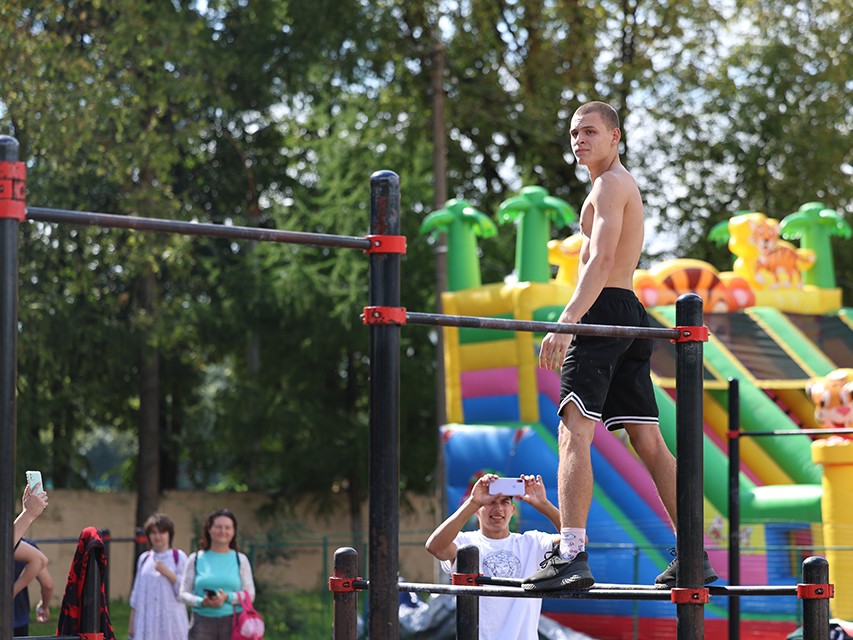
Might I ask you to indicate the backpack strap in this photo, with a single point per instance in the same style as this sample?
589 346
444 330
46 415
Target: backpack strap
150 552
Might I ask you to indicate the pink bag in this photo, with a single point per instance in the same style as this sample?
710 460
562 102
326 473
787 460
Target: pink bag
248 624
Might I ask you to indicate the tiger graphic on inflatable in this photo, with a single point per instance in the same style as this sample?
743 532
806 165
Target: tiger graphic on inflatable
832 396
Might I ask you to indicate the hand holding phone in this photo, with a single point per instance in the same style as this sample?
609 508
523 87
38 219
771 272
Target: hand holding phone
507 486
210 593
35 482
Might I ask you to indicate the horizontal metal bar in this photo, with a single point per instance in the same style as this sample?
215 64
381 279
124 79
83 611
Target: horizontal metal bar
475 322
511 588
796 432
88 218
742 590
515 592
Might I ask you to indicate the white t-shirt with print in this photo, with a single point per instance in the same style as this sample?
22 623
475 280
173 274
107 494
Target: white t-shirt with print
516 556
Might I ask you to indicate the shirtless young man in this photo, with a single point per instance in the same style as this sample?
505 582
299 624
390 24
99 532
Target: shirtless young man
602 378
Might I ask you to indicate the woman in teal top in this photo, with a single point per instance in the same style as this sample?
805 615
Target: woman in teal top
213 576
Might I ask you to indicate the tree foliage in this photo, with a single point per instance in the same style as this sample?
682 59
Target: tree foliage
244 365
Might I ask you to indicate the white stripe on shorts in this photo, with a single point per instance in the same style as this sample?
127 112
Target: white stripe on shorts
629 420
573 397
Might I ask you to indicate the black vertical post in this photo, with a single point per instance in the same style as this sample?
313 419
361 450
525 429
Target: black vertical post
140 546
107 537
734 506
468 607
384 511
345 617
12 205
90 608
815 610
689 468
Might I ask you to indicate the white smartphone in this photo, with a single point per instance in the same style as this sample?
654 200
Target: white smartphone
507 486
33 479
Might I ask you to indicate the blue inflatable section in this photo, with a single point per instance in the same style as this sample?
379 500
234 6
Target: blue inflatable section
471 450
491 409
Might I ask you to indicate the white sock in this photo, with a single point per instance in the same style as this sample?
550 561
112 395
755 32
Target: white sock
572 542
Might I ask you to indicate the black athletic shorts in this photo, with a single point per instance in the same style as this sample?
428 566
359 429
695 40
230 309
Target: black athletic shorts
609 379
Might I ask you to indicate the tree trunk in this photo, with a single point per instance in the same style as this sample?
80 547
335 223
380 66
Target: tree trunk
171 422
356 522
148 462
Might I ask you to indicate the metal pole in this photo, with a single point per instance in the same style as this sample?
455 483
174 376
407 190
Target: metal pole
468 607
111 220
476 322
439 176
635 624
689 469
815 610
11 211
345 616
384 511
106 536
734 505
140 545
90 609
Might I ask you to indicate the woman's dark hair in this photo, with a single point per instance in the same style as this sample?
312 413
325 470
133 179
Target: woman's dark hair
204 543
162 523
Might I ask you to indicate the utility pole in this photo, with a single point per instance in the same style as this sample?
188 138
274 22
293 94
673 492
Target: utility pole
439 172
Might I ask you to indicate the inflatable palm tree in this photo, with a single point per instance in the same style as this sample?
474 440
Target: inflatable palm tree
534 210
462 223
814 225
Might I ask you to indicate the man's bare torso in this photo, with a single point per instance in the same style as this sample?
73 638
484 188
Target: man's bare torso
630 243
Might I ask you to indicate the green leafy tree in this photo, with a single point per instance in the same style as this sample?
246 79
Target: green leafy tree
759 121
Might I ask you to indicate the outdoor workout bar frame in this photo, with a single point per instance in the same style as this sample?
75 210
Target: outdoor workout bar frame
734 434
385 316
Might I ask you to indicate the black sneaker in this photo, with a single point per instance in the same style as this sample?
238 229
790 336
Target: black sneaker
666 580
557 573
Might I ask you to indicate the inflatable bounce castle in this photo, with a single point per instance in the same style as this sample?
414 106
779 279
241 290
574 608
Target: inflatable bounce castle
777 325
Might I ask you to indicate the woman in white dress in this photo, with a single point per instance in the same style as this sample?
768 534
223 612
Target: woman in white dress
156 612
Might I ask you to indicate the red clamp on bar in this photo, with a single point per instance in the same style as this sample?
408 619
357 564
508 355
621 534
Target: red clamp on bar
464 579
13 190
733 435
815 591
384 315
690 596
344 585
691 334
386 244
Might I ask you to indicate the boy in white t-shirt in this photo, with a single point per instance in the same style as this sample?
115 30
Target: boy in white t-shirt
502 554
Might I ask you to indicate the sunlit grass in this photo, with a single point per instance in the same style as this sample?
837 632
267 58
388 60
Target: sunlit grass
292 615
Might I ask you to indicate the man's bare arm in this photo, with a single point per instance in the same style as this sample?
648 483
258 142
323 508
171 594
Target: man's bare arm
34 504
536 496
440 543
609 198
34 562
47 587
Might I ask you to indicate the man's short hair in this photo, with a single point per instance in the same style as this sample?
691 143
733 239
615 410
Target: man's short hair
607 113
